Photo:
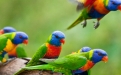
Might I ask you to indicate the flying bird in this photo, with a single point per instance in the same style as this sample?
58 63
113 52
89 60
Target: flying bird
94 9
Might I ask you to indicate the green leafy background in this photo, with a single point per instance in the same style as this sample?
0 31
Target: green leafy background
39 18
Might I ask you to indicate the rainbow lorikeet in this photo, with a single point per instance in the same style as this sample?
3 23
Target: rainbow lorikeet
83 49
96 56
7 30
9 41
94 9
70 62
51 49
17 51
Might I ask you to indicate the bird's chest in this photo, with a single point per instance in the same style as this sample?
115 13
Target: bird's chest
98 10
52 51
87 66
9 46
12 53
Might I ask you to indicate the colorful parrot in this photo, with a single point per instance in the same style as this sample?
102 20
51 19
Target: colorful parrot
51 49
96 56
7 30
94 9
19 50
9 41
71 62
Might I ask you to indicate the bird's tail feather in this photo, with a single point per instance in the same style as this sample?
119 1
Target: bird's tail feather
40 67
80 19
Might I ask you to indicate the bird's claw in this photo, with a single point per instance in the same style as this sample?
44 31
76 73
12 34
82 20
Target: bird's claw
84 23
96 24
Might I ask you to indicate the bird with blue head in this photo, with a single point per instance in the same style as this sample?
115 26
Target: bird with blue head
95 56
50 49
94 9
9 41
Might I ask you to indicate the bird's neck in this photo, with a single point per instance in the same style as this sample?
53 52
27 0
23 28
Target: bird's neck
87 66
9 35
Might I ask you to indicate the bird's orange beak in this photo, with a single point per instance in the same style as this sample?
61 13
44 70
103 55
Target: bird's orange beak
119 7
1 32
105 59
62 41
25 42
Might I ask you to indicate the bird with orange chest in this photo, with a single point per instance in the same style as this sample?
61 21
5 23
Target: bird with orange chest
9 41
95 56
94 9
49 50
18 51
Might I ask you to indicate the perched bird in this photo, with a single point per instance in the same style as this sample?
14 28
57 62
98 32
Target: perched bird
71 62
96 55
7 30
51 49
83 49
19 50
9 41
94 9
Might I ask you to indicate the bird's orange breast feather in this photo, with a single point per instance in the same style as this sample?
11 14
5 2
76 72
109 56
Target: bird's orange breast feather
52 51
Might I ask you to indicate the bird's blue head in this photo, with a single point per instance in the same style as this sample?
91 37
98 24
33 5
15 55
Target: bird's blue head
20 37
98 55
85 49
113 5
7 30
56 38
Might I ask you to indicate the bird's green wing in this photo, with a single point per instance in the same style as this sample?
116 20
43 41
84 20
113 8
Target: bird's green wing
49 67
76 60
3 42
20 52
89 72
39 54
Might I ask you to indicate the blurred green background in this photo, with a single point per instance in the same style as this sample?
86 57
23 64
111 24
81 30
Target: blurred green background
39 18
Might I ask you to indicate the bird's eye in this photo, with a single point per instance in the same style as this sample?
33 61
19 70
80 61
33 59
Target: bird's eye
113 3
100 54
56 36
6 30
20 36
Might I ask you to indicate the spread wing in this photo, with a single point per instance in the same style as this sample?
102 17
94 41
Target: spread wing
83 3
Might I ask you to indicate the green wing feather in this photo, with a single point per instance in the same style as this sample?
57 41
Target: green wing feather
77 60
39 54
3 42
89 72
73 59
80 19
64 64
83 16
21 52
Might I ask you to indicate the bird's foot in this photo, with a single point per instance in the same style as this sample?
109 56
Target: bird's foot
84 23
96 24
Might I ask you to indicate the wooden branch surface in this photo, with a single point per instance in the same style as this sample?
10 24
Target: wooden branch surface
14 65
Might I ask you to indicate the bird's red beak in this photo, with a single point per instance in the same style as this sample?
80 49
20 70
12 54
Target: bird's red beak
62 41
1 32
105 59
119 7
25 42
